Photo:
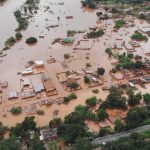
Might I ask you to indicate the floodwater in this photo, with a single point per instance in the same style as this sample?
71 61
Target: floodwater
20 53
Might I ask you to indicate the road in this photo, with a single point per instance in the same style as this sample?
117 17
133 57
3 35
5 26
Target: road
117 136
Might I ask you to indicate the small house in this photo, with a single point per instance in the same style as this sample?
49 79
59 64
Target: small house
49 134
39 63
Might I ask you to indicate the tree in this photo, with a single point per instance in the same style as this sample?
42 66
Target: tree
18 36
29 124
87 79
22 129
104 131
10 41
119 23
115 100
72 96
119 126
3 130
100 71
82 144
108 51
74 85
101 114
67 56
91 102
70 132
11 143
55 123
85 112
139 36
137 57
36 144
146 98
31 40
136 116
99 14
134 99
136 141
17 13
95 34
16 110
75 118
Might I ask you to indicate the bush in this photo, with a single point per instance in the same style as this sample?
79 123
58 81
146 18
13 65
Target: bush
95 34
40 112
66 100
119 125
17 14
101 114
100 71
88 65
108 51
87 79
72 96
91 102
146 98
10 41
136 116
96 91
74 85
18 36
134 99
66 56
119 23
16 110
105 131
139 36
91 4
115 100
31 40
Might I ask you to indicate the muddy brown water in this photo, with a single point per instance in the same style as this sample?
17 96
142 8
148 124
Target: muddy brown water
20 53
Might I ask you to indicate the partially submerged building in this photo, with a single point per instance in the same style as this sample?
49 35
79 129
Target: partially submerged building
48 84
49 134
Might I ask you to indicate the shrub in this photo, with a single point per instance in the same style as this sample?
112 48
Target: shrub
74 85
10 41
96 91
134 99
119 23
72 96
16 110
101 114
95 34
66 100
146 98
18 36
100 71
91 102
139 36
17 14
88 65
86 79
105 131
66 56
108 51
31 40
40 112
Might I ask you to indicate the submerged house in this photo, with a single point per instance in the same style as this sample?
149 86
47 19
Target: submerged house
48 84
49 134
145 30
68 40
